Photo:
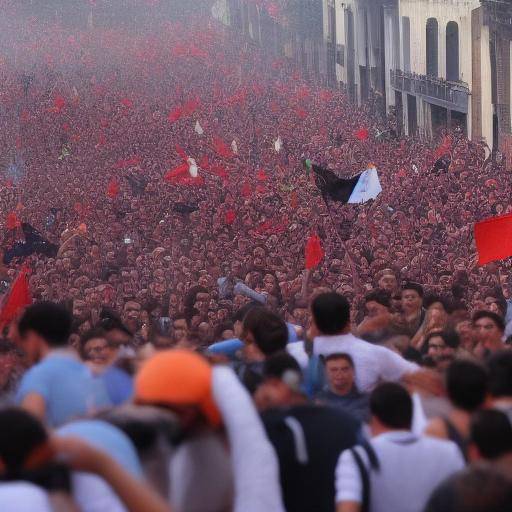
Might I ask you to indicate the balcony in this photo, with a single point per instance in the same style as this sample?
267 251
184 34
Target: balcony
450 95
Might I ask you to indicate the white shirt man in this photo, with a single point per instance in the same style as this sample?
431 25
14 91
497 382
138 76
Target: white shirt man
408 467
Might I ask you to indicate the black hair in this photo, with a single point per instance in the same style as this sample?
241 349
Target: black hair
340 355
391 404
331 312
491 431
241 312
269 330
413 286
500 373
111 321
466 384
432 299
451 339
497 319
91 334
279 363
49 320
380 296
21 434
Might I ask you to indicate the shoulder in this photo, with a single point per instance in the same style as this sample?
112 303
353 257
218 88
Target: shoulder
436 428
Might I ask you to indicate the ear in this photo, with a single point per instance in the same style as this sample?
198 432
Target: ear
474 453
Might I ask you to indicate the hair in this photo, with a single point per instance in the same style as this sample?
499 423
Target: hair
476 489
279 363
340 355
48 320
331 312
491 431
391 404
497 319
91 334
241 312
269 330
466 384
413 286
500 373
450 338
21 435
380 296
432 299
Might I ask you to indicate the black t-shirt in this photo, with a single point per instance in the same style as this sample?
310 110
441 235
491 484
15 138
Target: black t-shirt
308 440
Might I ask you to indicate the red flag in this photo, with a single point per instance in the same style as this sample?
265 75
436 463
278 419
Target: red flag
58 104
230 217
362 134
314 252
12 221
221 147
301 113
493 238
444 148
175 115
126 102
246 190
19 298
181 152
113 189
179 171
261 175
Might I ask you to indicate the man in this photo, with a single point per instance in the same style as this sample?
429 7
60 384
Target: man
402 468
224 460
387 281
330 330
58 387
307 438
413 313
442 348
341 390
489 330
376 325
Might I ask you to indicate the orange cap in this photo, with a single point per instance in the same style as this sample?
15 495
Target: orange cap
177 377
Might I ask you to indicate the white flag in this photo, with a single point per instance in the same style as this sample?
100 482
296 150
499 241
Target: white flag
192 167
234 147
367 187
198 128
278 144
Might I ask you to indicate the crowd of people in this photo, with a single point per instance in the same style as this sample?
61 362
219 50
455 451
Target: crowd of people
178 355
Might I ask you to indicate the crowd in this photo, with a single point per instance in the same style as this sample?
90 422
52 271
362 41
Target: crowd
178 354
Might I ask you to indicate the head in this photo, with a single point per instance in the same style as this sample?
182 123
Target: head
466 385
238 318
490 434
266 331
500 374
489 328
388 281
377 303
442 344
281 383
43 327
95 348
412 298
340 373
391 408
180 328
179 381
330 314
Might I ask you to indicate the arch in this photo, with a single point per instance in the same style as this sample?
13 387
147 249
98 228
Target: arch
432 46
452 51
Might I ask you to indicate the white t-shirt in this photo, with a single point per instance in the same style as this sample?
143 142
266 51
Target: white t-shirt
23 497
373 363
410 468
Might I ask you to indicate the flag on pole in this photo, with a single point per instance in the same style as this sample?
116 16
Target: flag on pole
493 238
358 189
278 144
19 297
313 252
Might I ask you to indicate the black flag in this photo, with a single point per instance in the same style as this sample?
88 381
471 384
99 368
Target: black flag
332 187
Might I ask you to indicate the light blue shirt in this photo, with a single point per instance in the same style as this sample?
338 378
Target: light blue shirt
67 386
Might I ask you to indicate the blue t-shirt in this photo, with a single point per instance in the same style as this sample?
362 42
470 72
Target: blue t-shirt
119 385
67 387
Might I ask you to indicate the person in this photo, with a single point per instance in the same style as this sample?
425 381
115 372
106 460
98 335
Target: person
330 330
500 381
413 313
479 488
376 326
32 464
219 424
466 387
489 329
307 437
441 348
394 457
12 366
341 390
58 386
